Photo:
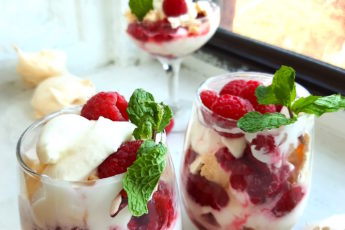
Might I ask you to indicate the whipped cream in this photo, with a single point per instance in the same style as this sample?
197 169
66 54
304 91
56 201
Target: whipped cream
73 146
59 92
34 67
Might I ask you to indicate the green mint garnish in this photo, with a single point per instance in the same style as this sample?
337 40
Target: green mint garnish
140 7
143 175
149 116
282 91
319 105
254 121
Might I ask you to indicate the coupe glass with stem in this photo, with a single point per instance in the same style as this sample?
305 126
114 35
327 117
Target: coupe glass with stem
170 44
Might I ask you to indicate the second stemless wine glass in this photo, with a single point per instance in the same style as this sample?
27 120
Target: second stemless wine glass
50 203
237 180
169 39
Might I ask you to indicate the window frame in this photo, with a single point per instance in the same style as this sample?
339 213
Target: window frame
310 72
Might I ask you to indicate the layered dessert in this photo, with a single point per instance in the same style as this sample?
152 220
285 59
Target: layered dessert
235 179
173 28
77 168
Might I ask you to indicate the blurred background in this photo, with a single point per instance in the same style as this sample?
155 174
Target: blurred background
315 28
92 32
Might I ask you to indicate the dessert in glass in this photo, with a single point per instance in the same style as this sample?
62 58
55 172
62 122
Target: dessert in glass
170 30
73 166
235 179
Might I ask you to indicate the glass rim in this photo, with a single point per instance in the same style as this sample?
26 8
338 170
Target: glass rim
238 74
32 172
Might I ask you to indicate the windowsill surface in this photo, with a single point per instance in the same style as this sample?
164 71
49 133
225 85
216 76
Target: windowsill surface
326 197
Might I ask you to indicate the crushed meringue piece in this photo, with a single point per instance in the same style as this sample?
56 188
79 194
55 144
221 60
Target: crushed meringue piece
35 67
210 169
59 92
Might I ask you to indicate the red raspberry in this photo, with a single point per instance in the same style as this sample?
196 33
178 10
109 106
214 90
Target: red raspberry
224 158
288 201
170 126
161 211
248 92
265 108
173 8
110 105
230 106
208 97
238 182
119 161
265 142
233 87
251 175
122 105
206 193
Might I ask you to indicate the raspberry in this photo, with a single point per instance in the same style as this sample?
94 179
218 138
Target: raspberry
265 142
265 108
161 211
173 8
248 92
169 126
238 182
233 87
232 107
122 105
278 108
208 97
110 105
206 193
224 158
119 161
288 201
251 175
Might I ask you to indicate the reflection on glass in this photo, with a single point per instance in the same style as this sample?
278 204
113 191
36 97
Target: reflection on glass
314 28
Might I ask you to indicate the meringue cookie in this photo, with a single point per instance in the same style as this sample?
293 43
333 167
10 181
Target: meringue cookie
34 67
59 92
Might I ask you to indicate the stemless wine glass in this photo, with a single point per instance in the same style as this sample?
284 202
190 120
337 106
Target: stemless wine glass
49 203
170 44
232 179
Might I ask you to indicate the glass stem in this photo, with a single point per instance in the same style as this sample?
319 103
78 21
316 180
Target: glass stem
172 70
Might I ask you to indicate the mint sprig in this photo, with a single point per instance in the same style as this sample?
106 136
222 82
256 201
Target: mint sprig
140 7
319 105
254 121
143 175
149 116
282 91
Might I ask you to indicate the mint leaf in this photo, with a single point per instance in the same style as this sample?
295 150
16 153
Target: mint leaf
254 121
303 103
167 115
145 147
140 7
143 130
266 96
149 116
143 175
136 106
284 86
318 105
282 91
